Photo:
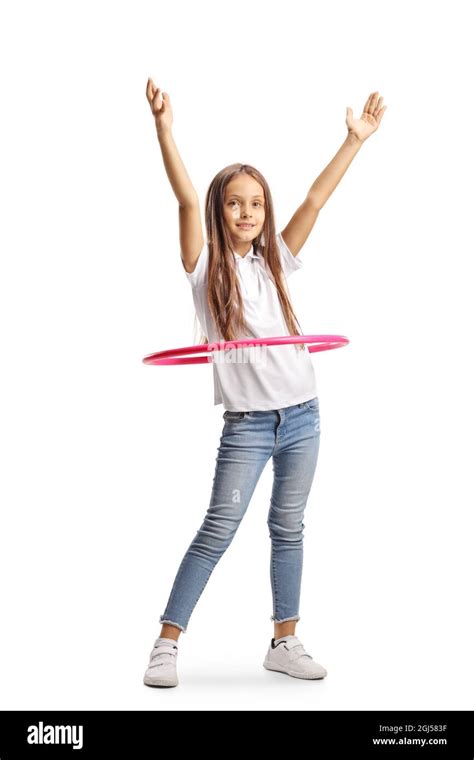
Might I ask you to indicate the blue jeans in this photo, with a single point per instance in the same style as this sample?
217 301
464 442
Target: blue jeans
291 437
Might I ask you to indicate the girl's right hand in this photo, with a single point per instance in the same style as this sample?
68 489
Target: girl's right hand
160 106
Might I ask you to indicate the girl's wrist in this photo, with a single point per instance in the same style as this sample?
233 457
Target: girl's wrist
162 131
352 139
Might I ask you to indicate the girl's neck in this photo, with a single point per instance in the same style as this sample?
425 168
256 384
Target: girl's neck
242 249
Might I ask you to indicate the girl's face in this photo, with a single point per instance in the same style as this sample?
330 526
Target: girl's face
244 210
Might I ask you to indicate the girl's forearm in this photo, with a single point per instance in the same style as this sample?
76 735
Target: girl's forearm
330 177
175 169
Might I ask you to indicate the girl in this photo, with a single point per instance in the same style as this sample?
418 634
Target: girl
238 280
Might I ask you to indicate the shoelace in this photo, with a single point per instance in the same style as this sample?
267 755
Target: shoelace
161 654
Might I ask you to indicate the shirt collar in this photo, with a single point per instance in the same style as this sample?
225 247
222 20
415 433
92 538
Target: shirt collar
251 254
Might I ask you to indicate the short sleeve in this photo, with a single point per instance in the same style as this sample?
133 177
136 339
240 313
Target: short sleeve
289 262
198 277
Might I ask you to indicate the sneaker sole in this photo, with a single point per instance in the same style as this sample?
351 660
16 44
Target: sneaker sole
159 682
271 666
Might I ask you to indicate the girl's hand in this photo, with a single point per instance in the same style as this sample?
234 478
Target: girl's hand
369 121
160 106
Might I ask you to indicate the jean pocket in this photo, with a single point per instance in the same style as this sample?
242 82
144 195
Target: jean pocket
313 404
234 416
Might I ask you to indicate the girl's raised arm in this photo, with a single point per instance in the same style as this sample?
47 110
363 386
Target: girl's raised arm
190 227
302 221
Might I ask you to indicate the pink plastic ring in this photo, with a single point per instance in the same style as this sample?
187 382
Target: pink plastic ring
321 343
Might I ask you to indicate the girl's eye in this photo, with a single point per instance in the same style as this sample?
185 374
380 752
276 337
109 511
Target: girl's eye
257 202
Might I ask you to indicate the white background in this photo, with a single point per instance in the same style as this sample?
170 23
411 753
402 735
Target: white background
107 463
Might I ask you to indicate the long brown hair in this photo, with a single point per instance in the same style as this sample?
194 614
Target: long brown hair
223 293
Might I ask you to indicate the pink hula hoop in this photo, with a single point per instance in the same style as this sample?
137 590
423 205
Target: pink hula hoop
184 355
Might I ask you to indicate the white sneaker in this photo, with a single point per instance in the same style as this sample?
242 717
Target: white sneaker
161 670
288 655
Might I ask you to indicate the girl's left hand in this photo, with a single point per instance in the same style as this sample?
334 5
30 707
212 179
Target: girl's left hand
369 121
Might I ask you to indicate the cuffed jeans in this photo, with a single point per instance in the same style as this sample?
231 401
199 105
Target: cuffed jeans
291 437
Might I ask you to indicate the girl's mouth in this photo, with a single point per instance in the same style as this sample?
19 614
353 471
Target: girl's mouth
246 226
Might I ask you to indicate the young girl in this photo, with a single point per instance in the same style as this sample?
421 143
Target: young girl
238 280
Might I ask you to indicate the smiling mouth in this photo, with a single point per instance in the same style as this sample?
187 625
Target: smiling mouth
246 226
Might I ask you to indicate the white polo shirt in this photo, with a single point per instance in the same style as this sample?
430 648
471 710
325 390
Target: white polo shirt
255 378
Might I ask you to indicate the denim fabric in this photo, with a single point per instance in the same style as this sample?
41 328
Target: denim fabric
290 436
